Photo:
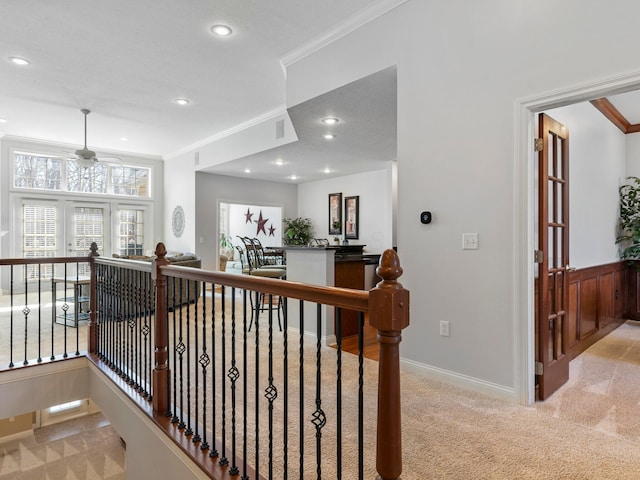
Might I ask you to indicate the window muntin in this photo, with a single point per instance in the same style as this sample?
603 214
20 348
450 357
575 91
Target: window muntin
131 231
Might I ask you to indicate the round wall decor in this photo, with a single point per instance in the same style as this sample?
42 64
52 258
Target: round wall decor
177 221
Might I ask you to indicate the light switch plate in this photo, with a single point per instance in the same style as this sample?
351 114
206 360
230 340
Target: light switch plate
470 241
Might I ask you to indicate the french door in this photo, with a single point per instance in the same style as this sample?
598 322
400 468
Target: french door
552 252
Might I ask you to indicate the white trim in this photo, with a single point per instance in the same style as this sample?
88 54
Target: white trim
44 370
16 436
375 10
281 110
525 109
464 381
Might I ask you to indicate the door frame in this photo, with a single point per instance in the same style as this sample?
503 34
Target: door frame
526 110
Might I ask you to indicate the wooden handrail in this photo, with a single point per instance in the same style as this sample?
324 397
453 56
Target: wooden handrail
43 260
337 297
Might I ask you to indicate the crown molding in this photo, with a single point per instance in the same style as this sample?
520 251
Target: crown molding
363 17
276 112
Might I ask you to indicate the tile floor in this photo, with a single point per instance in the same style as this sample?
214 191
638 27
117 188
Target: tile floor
85 448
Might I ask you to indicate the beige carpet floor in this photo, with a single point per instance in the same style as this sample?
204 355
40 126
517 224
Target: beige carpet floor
589 429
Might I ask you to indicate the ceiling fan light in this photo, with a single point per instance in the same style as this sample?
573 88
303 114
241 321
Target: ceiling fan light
181 101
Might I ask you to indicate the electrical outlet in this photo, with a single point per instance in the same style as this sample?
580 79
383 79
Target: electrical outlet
444 328
470 241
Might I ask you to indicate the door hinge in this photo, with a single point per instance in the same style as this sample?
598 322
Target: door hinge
538 256
539 368
538 144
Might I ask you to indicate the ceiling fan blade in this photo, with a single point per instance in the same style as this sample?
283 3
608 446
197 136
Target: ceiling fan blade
110 160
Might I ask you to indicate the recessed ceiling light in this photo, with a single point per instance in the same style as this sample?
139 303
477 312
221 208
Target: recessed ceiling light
293 177
181 101
330 120
19 61
247 170
3 120
280 162
123 139
327 170
329 136
221 30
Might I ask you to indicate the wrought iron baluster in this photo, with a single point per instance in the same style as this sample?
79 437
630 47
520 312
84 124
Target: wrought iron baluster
189 430
180 349
339 392
223 346
214 451
25 311
146 330
176 339
244 386
54 308
257 387
319 418
361 396
301 388
77 291
39 313
285 367
65 309
205 360
11 293
233 375
271 392
196 436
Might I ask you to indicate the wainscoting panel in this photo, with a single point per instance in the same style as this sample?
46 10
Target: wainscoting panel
597 304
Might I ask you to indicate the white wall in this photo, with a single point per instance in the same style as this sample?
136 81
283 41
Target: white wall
211 189
376 203
633 154
462 69
179 186
597 158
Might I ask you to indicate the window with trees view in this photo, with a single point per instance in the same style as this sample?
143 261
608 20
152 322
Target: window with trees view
39 172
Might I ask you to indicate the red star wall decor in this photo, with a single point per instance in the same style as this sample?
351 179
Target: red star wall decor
261 223
248 215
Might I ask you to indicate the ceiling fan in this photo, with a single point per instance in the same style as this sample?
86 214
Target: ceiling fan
88 158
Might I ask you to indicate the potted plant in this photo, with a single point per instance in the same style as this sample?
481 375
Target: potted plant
226 246
336 226
297 231
629 222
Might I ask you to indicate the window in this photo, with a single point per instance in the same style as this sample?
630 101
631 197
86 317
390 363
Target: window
131 231
88 224
130 181
39 239
88 180
39 172
36 172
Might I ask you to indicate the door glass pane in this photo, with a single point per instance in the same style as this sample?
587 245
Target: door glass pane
39 230
551 155
559 250
551 253
551 204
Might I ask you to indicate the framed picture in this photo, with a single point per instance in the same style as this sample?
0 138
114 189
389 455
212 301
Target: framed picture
335 213
351 213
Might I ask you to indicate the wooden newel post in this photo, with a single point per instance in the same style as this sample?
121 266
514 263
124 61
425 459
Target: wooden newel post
93 299
389 314
161 370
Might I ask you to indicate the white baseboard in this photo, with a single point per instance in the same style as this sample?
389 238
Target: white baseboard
464 381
